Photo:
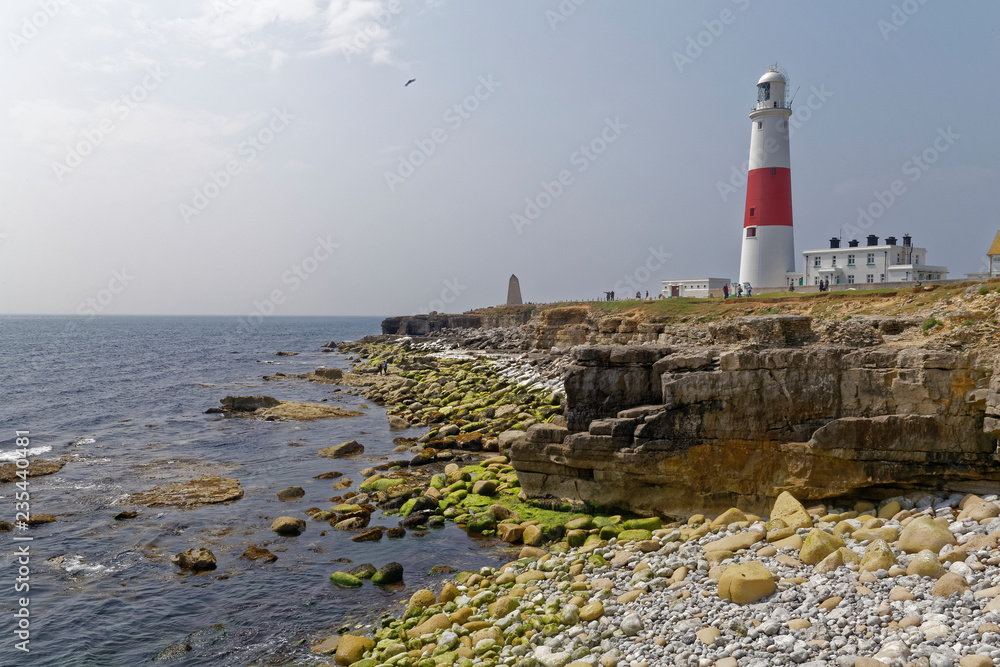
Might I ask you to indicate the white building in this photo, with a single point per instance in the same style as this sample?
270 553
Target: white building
994 257
888 262
697 287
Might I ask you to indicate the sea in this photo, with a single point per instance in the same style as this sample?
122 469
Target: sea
122 400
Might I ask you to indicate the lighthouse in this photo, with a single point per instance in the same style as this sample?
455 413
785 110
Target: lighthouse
768 247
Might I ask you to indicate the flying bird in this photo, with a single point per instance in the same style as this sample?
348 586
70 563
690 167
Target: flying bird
408 83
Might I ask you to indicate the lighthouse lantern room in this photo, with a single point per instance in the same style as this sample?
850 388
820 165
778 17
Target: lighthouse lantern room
768 246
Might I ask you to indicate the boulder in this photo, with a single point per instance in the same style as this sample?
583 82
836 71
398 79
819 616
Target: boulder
390 573
373 535
288 525
747 582
363 571
291 493
791 511
257 553
329 373
818 545
950 584
351 649
925 564
924 533
735 542
345 580
195 558
249 403
877 556
343 449
397 423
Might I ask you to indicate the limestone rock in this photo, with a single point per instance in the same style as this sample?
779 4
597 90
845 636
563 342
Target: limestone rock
818 545
746 582
877 556
195 558
343 449
925 564
950 584
735 542
207 490
791 511
288 525
924 533
351 649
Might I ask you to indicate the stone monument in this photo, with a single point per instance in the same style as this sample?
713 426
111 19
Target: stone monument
514 292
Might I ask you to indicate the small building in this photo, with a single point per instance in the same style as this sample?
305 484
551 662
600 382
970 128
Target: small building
697 287
888 262
994 257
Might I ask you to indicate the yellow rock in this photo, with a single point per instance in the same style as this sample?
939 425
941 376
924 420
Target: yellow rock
899 593
432 624
679 574
731 515
779 533
746 582
818 545
696 519
926 564
793 542
460 616
625 598
708 635
530 575
798 624
352 648
975 661
791 511
889 510
492 632
422 598
878 556
766 552
592 611
887 533
950 584
735 542
924 533
843 528
830 603
841 556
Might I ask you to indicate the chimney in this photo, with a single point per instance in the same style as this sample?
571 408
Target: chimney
872 239
853 243
906 240
890 240
834 242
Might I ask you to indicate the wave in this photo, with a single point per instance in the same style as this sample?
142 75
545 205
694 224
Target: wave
14 455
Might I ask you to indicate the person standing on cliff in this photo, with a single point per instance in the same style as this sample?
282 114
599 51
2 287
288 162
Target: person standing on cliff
725 292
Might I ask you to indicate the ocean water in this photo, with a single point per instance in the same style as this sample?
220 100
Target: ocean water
122 400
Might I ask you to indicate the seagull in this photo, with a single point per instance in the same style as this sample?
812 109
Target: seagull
408 83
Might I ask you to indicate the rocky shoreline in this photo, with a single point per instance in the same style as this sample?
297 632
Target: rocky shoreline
908 580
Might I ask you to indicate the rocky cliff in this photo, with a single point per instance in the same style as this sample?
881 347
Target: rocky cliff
824 408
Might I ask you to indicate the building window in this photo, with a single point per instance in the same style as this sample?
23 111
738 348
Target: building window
871 259
751 232
815 280
870 278
833 261
817 262
881 278
850 260
899 258
850 278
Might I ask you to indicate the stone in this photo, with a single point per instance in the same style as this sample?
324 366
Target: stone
448 593
746 582
345 580
343 449
288 525
432 624
390 573
208 490
900 593
592 611
510 532
818 545
925 564
975 661
949 584
325 646
877 556
532 536
924 533
731 515
351 649
363 571
397 423
249 403
791 511
372 535
735 542
485 487
291 493
708 635
257 553
513 291
195 558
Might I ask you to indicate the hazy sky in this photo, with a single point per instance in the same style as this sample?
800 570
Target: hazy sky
241 156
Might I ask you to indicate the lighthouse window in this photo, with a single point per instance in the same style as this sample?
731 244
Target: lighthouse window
773 171
752 209
751 232
764 92
760 125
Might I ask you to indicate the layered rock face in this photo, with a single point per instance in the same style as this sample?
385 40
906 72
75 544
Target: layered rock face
824 410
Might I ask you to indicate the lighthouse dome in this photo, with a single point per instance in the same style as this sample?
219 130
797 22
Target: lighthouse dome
771 75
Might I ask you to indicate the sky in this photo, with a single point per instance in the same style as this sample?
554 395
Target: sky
265 157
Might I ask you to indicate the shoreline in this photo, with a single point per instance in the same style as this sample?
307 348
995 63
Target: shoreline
544 594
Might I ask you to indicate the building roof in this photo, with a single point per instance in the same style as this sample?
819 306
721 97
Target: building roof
995 248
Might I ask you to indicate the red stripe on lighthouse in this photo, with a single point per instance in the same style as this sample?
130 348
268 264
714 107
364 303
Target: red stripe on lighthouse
769 197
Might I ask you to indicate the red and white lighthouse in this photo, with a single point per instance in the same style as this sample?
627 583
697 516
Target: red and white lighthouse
768 247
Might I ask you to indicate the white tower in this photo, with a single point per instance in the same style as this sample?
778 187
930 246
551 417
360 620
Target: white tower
768 245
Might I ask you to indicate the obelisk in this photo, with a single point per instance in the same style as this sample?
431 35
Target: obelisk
514 292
